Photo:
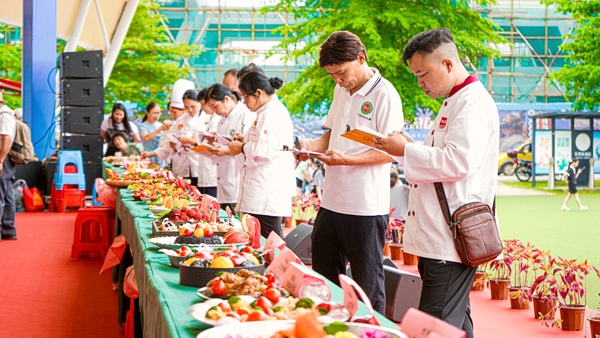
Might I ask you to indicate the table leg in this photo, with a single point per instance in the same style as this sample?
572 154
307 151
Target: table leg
126 262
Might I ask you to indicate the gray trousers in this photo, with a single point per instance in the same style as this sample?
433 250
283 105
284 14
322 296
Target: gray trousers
7 199
339 238
446 289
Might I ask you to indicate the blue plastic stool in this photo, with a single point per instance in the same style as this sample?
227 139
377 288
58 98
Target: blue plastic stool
61 178
94 196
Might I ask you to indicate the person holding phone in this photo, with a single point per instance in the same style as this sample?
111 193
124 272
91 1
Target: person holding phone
571 177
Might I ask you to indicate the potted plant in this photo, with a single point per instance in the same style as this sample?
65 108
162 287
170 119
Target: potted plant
521 256
500 271
305 208
570 278
544 289
393 234
595 320
481 279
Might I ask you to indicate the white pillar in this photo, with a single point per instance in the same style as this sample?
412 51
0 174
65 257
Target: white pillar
113 52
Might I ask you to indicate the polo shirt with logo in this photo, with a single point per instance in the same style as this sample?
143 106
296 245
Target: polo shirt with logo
362 189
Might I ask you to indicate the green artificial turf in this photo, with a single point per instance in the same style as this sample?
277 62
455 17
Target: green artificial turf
569 234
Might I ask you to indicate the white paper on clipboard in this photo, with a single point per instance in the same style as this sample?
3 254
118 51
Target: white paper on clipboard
220 139
294 150
175 139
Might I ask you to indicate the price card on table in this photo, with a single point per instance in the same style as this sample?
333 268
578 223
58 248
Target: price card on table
352 292
418 324
273 242
282 262
295 275
208 203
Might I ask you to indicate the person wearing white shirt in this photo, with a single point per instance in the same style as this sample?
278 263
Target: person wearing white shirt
351 224
233 113
461 152
8 125
267 185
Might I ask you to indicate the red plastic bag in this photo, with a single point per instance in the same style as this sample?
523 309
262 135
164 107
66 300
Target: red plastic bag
105 194
33 199
130 287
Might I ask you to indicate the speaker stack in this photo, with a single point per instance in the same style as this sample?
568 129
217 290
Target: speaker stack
82 109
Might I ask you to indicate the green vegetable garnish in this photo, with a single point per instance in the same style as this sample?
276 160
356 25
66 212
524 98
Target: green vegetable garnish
277 309
335 327
306 303
219 274
322 311
258 308
233 299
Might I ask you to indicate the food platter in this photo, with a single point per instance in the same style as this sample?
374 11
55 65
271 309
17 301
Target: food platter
268 328
202 293
198 311
118 184
168 242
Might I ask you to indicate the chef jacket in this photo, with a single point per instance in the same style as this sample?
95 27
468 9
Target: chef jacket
268 182
228 173
186 162
461 151
361 189
207 169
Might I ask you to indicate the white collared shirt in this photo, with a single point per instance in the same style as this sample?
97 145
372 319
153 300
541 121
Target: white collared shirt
464 157
185 162
207 169
8 122
361 190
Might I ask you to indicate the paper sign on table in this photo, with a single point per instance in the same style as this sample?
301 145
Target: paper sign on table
282 262
351 290
418 324
208 203
273 242
364 135
295 275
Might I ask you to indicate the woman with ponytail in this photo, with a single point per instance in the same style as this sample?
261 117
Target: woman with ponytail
267 185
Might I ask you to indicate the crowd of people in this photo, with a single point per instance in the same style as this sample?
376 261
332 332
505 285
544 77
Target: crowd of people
228 139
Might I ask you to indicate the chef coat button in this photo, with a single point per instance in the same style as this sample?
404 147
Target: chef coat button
408 213
415 185
413 212
433 132
445 103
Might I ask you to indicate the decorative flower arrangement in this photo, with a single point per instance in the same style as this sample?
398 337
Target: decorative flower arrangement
521 257
501 268
394 231
305 206
570 278
544 286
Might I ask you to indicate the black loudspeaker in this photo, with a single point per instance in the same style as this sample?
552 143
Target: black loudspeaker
82 120
82 93
91 171
29 172
90 146
299 242
402 291
81 65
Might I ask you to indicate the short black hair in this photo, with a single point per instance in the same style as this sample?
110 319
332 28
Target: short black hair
340 47
426 42
190 94
251 67
232 71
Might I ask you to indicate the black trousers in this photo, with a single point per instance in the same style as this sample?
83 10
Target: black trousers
339 238
212 191
446 289
7 199
268 224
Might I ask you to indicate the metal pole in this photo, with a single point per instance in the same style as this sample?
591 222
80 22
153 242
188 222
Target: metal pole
113 52
551 175
591 181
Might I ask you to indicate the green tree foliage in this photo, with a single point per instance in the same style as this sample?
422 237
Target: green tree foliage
149 63
384 27
10 64
581 74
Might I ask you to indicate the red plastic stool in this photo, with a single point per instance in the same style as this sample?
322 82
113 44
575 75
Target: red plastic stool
70 196
92 231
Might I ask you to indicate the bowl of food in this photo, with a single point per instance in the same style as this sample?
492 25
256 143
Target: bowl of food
157 209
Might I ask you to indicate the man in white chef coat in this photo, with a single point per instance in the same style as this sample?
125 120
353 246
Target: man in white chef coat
461 151
350 226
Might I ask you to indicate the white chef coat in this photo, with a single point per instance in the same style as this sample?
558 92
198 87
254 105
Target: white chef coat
268 183
185 162
228 174
361 190
207 169
464 156
8 123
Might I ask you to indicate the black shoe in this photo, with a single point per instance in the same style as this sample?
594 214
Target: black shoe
12 238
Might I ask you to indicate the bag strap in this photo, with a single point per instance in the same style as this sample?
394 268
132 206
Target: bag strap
441 195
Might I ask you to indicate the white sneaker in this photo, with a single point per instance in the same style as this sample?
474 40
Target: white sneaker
564 207
583 208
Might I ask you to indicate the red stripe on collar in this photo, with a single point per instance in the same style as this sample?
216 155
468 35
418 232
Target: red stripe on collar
468 81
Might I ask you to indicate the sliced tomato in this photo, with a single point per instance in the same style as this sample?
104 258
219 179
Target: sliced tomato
218 288
264 303
273 295
234 315
225 306
270 277
256 316
243 311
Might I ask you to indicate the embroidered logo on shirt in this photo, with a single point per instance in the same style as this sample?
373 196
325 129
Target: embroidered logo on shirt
231 132
366 108
443 122
180 126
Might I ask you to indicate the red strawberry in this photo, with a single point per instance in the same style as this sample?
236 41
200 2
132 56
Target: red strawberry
185 218
175 218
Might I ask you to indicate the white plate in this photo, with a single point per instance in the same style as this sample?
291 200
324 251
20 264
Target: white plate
157 209
270 327
199 310
153 203
145 199
168 242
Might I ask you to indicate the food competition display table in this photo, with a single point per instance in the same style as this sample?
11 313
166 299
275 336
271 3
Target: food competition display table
163 302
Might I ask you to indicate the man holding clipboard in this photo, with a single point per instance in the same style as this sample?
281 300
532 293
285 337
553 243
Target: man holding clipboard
350 226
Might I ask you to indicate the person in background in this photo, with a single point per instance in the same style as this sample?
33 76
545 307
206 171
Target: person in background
461 152
7 172
19 114
354 214
230 80
318 178
398 195
150 129
301 176
117 121
228 105
267 185
163 150
571 178
126 149
249 68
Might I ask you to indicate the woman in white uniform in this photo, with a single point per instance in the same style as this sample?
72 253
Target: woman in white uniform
233 114
267 185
